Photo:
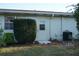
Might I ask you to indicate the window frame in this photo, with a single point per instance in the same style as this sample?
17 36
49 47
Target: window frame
7 22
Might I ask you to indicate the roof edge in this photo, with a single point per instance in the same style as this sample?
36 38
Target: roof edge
34 12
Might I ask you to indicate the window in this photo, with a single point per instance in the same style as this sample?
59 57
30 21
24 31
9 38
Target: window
8 22
8 26
42 26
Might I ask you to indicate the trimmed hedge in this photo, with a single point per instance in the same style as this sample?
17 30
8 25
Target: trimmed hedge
24 30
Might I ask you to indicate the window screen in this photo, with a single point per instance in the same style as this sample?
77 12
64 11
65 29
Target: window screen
8 26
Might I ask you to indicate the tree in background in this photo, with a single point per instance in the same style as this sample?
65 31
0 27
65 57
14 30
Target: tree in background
76 15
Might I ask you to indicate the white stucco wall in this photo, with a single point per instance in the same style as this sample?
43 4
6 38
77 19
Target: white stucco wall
69 24
55 28
59 25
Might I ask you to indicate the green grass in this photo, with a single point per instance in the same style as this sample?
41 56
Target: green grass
39 50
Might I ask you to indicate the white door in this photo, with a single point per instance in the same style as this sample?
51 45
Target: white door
42 30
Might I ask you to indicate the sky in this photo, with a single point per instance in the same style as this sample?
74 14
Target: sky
41 5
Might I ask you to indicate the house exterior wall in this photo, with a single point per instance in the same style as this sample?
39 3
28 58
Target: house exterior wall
41 35
70 25
54 26
1 22
61 24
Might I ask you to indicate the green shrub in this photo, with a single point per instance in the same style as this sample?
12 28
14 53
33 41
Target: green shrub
1 30
8 38
2 43
24 30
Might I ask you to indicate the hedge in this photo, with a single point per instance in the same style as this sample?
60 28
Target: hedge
24 30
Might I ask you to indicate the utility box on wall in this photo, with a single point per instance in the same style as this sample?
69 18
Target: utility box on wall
67 36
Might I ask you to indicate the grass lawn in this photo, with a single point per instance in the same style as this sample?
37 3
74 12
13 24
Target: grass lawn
39 50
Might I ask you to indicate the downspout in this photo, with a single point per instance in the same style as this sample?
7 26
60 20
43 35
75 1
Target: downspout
61 27
13 31
50 26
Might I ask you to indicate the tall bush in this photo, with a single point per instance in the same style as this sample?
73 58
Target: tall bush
24 30
76 15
